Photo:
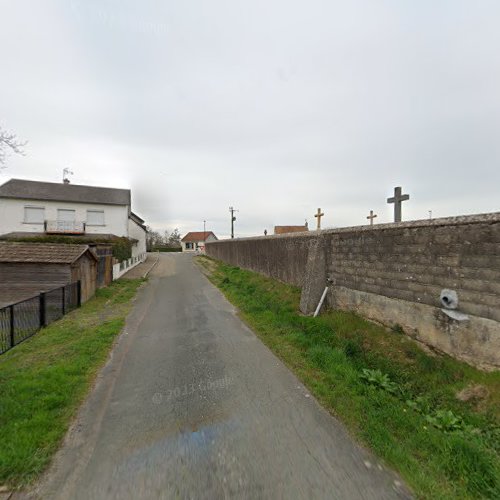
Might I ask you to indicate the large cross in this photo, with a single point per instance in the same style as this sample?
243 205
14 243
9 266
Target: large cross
371 217
319 215
397 199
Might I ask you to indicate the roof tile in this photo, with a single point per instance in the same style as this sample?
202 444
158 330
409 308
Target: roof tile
198 236
34 190
41 252
290 229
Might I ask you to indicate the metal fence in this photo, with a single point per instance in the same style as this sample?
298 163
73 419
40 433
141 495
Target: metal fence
22 320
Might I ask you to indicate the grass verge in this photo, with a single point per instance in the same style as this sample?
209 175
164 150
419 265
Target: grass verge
394 397
44 380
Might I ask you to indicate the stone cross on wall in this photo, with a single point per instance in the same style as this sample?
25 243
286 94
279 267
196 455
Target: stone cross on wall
397 199
371 217
319 215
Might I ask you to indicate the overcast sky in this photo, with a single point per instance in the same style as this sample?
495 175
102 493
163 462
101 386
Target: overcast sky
276 107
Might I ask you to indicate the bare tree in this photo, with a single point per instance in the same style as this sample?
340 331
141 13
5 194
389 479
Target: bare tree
165 238
9 141
174 240
153 239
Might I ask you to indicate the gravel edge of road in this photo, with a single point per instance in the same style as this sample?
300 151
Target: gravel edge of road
154 264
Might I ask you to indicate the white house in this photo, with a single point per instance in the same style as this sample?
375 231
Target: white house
195 241
32 208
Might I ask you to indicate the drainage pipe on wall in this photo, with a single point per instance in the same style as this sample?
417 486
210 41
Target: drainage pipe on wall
320 302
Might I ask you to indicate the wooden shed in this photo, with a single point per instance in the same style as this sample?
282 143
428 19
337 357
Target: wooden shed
27 269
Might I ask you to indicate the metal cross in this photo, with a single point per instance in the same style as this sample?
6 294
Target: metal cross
397 199
319 215
371 217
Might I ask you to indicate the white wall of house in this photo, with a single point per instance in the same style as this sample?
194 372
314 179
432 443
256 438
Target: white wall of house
137 233
194 246
188 246
14 217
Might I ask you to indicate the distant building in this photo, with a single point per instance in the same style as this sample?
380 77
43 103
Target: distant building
290 229
195 241
32 208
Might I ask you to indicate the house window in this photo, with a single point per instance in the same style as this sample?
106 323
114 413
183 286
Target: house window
189 246
66 215
95 217
34 215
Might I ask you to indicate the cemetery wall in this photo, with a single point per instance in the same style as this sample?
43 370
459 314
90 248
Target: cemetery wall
282 257
394 274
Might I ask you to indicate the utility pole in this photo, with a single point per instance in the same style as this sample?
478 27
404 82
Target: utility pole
204 231
233 218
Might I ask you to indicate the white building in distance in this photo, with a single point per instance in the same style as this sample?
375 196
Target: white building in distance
195 241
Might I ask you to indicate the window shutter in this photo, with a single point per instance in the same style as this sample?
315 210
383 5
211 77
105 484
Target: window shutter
34 215
95 217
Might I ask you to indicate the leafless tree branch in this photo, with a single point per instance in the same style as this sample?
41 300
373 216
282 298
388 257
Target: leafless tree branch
9 141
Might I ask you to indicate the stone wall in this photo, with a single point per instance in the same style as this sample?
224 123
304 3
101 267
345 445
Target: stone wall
415 261
282 257
394 273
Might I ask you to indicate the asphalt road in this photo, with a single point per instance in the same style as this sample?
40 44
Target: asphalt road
193 405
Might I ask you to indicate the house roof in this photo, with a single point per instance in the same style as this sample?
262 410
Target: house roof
135 218
42 252
290 229
52 191
198 236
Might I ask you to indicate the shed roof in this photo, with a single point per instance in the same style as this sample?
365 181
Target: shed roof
195 236
42 252
52 191
290 229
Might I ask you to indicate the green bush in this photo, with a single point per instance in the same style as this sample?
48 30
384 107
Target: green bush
167 249
122 248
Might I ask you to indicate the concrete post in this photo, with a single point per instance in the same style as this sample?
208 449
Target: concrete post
315 278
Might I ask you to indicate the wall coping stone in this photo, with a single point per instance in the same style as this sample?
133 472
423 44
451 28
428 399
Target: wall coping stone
488 218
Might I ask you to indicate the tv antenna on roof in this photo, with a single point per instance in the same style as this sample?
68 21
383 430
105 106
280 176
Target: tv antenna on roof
67 172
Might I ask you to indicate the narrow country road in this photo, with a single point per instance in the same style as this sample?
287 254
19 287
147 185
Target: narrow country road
193 405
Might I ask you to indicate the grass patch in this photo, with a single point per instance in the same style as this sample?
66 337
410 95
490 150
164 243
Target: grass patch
44 380
394 397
